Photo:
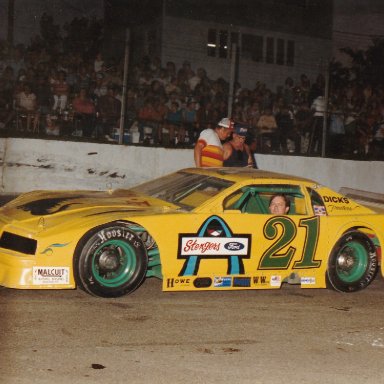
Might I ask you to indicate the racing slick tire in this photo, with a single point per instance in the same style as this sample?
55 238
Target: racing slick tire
110 261
352 265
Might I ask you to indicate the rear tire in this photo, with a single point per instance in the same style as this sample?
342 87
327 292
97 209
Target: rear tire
352 265
110 261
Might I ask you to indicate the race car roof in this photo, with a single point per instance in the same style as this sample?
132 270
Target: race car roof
243 173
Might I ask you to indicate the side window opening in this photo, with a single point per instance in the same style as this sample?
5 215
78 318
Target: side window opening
255 199
317 203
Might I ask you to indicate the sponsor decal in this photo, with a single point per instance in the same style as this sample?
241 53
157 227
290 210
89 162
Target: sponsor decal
219 246
308 280
222 282
202 282
214 240
234 246
241 281
336 199
50 275
275 281
179 282
259 280
117 233
319 210
214 232
332 208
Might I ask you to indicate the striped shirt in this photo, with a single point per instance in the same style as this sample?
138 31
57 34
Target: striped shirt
212 153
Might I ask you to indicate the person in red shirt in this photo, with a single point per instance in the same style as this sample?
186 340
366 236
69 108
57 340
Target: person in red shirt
149 117
109 109
84 112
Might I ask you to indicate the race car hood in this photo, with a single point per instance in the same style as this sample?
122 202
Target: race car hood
32 206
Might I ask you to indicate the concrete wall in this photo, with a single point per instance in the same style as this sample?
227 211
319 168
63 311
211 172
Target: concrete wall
47 164
29 164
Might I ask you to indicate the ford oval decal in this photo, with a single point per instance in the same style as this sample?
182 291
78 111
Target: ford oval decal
233 246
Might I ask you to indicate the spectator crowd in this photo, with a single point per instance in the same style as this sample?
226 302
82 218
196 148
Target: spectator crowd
67 95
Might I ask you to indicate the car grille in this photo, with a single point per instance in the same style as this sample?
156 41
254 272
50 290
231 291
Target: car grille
18 243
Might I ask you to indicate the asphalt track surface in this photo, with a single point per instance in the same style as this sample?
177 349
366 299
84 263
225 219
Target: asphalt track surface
290 335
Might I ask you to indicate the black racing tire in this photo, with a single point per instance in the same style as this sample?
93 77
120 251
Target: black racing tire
110 261
353 264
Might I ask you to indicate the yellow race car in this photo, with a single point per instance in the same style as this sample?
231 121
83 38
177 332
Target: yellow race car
197 229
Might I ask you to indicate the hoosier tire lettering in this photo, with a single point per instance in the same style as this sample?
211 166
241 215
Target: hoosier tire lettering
106 235
353 262
110 260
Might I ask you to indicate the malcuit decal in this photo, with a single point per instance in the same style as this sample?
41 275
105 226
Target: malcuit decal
241 281
214 240
49 249
50 275
335 199
202 282
222 282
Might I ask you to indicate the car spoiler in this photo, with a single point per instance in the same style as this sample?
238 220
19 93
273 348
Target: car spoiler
371 199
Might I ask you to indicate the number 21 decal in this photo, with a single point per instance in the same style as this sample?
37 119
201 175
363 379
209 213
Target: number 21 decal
274 258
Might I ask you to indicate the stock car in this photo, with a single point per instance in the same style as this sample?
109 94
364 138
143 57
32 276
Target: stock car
196 229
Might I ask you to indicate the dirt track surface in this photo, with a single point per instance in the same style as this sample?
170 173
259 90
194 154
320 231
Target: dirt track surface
290 335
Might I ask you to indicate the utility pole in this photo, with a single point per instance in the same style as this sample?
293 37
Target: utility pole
125 81
232 79
326 103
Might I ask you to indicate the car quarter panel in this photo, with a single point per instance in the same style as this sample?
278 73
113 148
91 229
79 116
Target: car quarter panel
51 266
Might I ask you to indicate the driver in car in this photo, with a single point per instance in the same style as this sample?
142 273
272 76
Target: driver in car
279 204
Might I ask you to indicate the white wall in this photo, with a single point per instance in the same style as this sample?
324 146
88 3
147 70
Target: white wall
47 164
28 164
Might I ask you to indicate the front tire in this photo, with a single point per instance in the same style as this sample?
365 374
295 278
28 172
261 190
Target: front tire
110 261
352 265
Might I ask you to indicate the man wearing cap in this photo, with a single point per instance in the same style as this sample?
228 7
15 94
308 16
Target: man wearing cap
236 152
208 150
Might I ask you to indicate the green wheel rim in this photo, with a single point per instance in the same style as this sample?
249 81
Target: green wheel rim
113 263
351 262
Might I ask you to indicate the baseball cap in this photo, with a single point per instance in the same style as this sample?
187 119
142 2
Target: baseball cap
241 129
226 122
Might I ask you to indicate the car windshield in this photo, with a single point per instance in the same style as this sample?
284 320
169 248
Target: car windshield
186 190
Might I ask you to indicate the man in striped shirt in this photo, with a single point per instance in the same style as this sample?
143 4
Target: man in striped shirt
208 150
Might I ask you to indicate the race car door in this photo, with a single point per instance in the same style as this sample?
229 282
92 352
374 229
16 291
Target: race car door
283 248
